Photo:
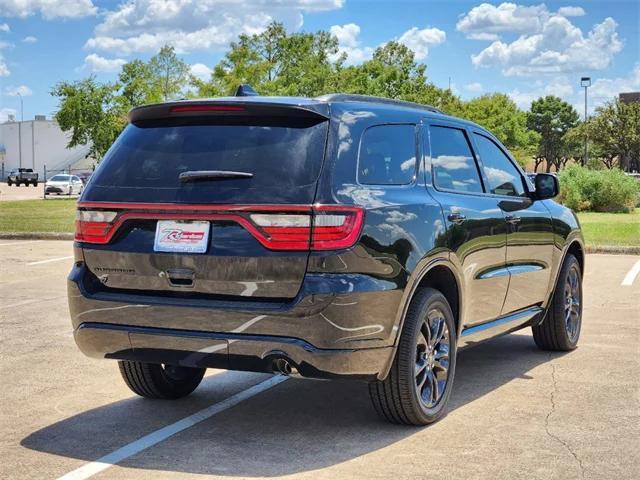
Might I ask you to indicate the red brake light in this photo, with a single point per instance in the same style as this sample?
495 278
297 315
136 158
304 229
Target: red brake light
94 226
206 108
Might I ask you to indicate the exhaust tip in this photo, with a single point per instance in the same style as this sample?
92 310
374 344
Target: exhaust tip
282 366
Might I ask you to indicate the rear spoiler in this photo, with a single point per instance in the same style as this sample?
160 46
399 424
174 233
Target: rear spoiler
239 108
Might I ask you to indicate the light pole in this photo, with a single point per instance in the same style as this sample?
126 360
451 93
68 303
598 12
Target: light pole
585 82
20 130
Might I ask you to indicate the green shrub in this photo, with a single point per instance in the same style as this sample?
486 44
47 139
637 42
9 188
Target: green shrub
597 190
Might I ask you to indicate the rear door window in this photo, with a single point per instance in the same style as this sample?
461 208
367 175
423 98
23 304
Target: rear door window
387 155
452 162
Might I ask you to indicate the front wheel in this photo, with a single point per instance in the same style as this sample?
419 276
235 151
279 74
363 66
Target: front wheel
167 382
418 387
560 329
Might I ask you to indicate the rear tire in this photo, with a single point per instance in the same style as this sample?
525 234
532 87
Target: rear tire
418 387
152 380
9 183
560 329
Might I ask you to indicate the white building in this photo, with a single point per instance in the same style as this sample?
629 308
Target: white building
37 144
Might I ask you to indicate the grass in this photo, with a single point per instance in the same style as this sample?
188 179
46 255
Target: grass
54 215
611 228
58 215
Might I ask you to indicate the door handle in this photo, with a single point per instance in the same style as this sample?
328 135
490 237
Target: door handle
512 219
456 217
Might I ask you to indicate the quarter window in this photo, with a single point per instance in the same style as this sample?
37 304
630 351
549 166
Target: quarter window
502 175
387 155
453 165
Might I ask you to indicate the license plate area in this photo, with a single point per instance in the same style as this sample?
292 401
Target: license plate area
182 236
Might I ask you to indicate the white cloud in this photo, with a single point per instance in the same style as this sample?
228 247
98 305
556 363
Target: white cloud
189 25
95 63
49 9
4 70
603 89
21 90
30 39
571 11
559 86
349 44
474 87
201 71
4 28
558 47
506 17
5 113
420 40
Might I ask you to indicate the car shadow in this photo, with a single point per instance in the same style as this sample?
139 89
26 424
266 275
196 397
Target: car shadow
298 426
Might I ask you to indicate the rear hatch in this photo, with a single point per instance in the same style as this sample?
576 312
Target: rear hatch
206 199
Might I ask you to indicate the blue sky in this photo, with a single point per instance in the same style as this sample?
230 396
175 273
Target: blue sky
525 49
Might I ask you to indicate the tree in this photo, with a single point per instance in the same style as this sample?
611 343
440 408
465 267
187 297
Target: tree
92 112
502 117
168 73
551 118
277 63
138 85
617 125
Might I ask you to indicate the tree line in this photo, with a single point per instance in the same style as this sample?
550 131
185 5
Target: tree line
276 62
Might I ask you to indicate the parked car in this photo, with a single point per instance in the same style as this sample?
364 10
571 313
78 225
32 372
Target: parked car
63 184
342 236
24 176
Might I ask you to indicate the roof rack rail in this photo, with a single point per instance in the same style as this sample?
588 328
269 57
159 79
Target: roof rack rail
351 97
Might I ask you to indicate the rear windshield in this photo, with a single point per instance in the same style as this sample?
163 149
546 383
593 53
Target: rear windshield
153 156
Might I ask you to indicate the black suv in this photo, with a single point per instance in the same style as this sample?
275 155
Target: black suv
336 237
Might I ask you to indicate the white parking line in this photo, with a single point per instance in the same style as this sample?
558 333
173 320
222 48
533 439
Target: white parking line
24 242
90 469
631 275
50 260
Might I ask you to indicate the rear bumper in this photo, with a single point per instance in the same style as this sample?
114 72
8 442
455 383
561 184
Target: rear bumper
323 332
234 352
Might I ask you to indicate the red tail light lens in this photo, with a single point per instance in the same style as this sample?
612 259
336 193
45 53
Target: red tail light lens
94 226
335 229
318 227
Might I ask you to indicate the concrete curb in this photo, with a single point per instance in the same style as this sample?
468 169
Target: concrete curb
612 249
36 236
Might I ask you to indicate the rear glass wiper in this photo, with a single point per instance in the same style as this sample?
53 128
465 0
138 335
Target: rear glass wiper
197 175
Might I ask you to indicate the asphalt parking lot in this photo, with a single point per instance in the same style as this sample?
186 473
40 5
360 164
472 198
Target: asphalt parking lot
516 412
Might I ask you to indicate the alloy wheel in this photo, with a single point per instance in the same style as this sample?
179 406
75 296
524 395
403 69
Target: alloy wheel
572 306
432 358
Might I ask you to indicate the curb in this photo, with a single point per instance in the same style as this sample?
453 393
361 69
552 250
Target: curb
611 249
36 236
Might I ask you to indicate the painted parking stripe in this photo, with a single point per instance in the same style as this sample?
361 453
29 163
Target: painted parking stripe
50 260
631 275
90 469
24 242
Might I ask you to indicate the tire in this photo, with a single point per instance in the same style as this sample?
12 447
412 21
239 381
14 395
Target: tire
35 184
9 183
560 329
152 380
399 398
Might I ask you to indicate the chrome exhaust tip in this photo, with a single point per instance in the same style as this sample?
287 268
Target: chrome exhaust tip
284 367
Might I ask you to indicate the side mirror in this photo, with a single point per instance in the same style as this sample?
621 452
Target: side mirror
547 186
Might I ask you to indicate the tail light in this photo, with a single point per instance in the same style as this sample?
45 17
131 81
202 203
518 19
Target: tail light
94 226
293 228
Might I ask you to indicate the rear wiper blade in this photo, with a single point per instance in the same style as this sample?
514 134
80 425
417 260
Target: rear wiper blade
196 175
